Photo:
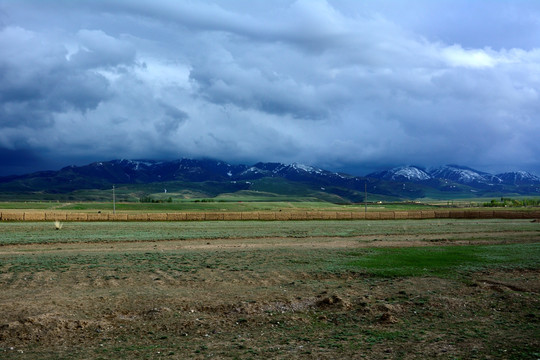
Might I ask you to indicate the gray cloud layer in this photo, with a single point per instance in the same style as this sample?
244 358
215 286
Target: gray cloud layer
340 84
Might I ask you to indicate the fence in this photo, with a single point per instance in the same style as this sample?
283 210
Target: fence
271 215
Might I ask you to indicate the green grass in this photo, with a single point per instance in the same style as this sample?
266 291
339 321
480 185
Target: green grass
30 205
239 202
444 261
234 204
449 261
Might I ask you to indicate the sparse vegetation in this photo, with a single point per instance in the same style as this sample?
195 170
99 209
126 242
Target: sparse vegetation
432 230
149 199
509 202
319 289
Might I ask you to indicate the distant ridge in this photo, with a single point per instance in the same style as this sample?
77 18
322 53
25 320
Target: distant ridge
456 173
405 182
402 173
519 178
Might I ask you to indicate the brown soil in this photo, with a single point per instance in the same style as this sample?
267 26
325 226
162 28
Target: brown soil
266 312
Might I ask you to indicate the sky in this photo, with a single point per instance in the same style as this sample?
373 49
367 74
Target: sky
346 85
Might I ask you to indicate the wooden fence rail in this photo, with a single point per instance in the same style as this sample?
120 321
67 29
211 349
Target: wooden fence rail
271 215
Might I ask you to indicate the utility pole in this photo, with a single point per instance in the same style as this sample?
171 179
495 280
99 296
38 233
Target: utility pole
113 201
365 197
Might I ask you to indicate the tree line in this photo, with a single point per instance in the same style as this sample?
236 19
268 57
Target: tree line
508 202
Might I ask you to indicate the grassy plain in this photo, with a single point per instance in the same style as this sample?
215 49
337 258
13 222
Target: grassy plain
399 289
369 230
224 204
207 205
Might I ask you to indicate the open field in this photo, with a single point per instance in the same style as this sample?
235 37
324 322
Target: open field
396 289
194 206
206 205
268 211
202 205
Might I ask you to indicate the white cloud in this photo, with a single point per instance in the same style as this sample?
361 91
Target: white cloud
476 58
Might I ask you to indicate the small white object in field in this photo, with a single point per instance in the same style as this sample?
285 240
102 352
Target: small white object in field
57 225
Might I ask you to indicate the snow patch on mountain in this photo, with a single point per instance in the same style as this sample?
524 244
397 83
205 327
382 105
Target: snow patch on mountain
519 178
252 170
410 173
463 175
306 168
402 173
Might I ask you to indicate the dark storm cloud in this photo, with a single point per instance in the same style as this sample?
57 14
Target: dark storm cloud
249 88
14 158
341 84
171 119
39 78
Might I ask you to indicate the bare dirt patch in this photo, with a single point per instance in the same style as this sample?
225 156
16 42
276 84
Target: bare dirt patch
410 318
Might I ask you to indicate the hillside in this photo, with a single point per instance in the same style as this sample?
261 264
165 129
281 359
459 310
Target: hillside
191 178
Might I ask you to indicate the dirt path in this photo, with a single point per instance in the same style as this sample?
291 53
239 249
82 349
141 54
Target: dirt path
379 241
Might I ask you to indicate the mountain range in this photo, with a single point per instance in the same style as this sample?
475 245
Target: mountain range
210 178
456 173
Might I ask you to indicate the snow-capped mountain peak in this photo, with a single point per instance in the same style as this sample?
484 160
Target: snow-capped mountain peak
411 173
464 175
306 168
519 178
402 173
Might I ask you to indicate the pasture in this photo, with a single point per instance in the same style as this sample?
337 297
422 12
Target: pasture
207 205
396 289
